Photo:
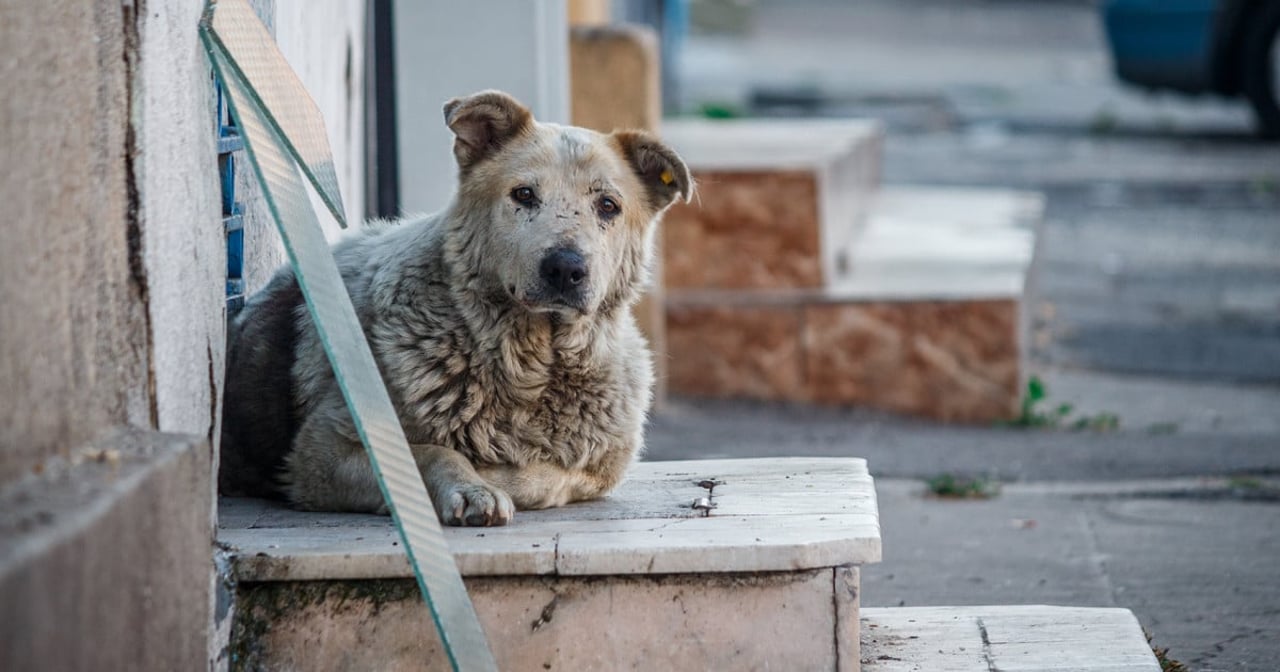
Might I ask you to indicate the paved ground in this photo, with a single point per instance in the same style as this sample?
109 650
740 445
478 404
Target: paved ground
1036 63
1199 573
1156 296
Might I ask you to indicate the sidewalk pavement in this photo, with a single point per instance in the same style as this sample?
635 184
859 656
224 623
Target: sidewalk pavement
1196 562
1123 518
1167 429
1156 298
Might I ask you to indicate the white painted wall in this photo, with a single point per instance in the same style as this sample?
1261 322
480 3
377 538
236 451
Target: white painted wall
183 244
324 42
445 49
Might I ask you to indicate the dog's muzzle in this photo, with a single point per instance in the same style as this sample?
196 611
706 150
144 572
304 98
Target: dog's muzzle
564 276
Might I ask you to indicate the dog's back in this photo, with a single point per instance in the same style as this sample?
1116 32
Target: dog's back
259 414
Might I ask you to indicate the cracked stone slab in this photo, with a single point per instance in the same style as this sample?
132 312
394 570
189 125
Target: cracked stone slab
780 514
1023 638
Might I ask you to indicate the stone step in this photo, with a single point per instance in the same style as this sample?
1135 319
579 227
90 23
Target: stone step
926 321
778 201
1013 638
769 579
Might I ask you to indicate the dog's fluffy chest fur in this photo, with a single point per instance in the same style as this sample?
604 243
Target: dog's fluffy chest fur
489 379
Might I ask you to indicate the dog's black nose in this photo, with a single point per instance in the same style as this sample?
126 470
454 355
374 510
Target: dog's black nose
563 270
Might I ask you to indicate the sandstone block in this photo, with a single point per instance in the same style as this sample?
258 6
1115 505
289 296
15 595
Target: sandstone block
927 319
755 352
778 202
955 361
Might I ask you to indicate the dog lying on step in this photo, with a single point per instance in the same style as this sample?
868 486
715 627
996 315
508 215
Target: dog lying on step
501 325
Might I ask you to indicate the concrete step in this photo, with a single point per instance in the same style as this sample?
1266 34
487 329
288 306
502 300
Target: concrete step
1021 638
769 579
926 321
778 201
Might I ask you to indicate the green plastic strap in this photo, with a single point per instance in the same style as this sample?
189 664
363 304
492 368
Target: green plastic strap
285 104
272 156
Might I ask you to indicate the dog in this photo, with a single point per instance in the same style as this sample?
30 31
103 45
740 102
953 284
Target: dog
501 326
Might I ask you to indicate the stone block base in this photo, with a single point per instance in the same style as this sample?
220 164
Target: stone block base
926 320
777 202
783 620
949 360
767 578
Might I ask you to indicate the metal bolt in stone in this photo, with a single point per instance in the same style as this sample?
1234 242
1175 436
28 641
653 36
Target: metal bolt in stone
704 504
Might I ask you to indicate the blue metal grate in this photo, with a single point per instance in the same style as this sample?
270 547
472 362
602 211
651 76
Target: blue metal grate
230 142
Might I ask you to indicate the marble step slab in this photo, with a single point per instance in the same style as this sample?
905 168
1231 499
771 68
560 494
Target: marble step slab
776 514
638 580
1024 638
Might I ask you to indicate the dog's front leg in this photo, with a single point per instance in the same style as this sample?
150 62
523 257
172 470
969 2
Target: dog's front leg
542 485
461 496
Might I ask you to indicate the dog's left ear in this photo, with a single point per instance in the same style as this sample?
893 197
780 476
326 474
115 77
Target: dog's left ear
661 170
482 123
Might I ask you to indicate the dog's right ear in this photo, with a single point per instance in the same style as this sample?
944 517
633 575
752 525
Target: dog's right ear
482 123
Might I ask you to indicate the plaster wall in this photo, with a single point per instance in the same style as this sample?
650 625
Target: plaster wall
112 316
446 49
73 320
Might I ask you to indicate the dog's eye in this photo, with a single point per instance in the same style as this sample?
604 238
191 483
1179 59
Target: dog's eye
524 195
608 207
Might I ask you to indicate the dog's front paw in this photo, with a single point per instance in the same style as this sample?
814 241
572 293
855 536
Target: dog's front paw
475 506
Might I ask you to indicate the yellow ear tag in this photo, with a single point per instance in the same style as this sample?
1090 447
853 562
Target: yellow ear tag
666 177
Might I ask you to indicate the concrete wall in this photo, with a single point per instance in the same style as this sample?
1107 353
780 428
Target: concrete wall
74 356
446 49
179 213
105 562
112 316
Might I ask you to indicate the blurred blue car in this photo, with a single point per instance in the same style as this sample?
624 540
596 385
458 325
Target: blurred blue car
1225 47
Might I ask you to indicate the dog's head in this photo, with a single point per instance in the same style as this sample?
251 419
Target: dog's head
561 218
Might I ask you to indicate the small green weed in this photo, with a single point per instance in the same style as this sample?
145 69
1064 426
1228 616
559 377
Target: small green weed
1244 483
1263 186
1036 412
1167 664
1104 121
1102 422
950 486
1031 413
719 111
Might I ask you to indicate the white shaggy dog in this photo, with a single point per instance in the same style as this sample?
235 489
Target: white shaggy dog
501 325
